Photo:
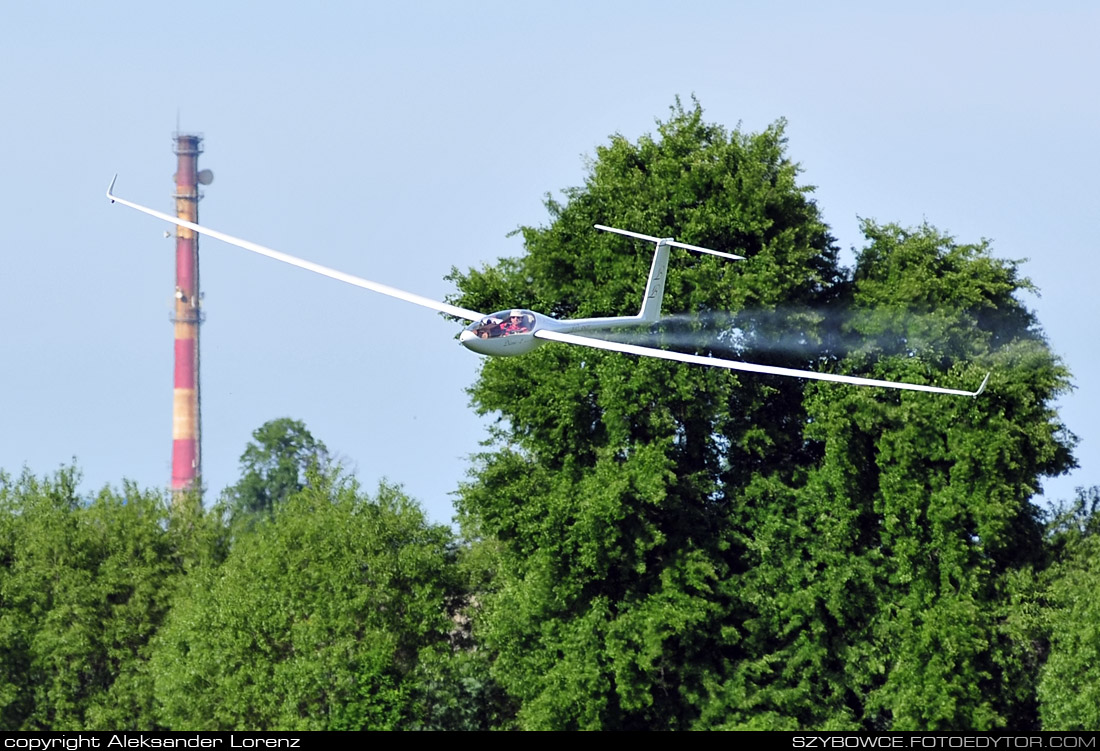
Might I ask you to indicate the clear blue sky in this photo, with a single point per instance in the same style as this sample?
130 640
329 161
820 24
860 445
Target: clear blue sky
395 141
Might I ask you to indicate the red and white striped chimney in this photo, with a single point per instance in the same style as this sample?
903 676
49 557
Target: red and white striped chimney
187 315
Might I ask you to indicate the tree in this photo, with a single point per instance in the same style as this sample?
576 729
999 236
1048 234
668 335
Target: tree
900 551
609 486
316 620
84 586
1069 688
275 465
687 547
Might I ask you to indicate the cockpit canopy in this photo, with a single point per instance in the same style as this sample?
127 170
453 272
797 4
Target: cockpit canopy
504 323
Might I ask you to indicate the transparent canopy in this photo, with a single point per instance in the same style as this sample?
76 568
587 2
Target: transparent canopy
504 323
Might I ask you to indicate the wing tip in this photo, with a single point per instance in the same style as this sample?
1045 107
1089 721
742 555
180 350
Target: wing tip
984 382
111 188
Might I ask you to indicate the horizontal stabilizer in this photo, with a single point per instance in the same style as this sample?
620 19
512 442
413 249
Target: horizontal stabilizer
669 241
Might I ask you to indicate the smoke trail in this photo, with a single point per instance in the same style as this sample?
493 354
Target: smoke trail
800 333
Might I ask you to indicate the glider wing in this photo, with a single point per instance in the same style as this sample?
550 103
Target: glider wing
442 307
714 362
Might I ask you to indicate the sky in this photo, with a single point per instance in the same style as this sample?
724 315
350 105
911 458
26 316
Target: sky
395 141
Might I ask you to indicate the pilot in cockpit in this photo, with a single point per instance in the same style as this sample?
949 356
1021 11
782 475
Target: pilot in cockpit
516 323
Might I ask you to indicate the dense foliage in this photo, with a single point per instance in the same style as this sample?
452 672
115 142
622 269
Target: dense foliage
645 544
335 610
84 587
315 620
1069 690
277 463
680 547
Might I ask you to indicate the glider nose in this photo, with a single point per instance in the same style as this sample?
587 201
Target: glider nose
471 341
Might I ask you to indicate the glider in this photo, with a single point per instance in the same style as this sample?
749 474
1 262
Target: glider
518 331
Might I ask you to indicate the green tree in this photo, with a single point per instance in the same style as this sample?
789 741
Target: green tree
687 547
1069 689
899 555
609 487
84 586
453 687
275 465
316 620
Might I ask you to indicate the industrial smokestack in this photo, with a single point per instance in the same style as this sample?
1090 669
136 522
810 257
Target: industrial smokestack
187 315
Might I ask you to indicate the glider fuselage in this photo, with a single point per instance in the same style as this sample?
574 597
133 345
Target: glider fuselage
513 332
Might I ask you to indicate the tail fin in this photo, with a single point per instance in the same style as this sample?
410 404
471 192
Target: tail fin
655 287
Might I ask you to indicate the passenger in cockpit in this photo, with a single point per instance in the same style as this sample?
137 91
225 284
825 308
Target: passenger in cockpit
489 328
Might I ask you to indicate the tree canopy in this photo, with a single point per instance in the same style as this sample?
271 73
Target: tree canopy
84 586
315 621
336 610
1069 688
276 464
686 547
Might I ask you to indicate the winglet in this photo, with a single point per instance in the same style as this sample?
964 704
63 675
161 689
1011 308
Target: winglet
111 188
984 382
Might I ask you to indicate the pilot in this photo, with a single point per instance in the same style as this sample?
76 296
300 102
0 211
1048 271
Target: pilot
516 323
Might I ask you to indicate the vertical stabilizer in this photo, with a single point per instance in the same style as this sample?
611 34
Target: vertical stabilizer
655 287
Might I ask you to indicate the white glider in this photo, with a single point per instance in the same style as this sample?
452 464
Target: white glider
517 331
